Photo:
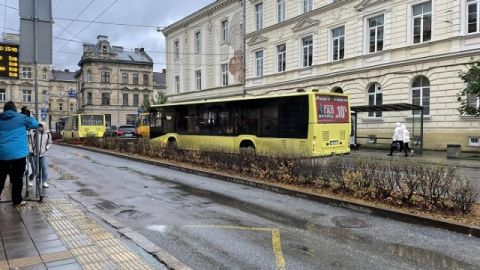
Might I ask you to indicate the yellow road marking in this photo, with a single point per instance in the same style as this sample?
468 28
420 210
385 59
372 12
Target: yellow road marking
276 240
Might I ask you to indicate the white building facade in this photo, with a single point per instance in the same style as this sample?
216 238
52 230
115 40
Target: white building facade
205 53
377 52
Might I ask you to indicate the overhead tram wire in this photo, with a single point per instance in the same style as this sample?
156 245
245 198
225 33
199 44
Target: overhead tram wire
79 14
83 29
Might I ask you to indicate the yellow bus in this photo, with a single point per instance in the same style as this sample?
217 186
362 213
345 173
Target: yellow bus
305 124
84 125
143 125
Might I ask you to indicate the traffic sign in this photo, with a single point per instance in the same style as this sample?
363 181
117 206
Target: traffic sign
43 110
72 93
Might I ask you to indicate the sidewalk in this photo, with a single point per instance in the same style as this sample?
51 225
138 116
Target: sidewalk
467 160
56 234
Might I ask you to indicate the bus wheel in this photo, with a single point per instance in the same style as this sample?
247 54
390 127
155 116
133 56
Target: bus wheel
247 147
172 144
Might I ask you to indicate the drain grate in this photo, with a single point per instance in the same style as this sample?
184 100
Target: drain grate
106 205
349 222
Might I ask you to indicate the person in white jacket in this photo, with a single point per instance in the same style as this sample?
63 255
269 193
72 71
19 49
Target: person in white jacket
44 143
397 138
406 140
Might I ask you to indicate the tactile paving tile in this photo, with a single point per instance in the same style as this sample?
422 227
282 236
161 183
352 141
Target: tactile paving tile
134 265
84 250
124 257
109 242
105 265
112 250
91 258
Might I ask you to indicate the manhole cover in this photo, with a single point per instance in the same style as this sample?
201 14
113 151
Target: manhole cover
106 205
349 222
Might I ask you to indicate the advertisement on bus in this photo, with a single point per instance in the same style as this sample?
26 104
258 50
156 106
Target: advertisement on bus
332 109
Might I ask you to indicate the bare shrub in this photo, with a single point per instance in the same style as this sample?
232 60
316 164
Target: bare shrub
436 182
464 195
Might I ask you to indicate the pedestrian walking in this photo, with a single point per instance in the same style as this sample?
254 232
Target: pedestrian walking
406 140
43 144
14 148
397 139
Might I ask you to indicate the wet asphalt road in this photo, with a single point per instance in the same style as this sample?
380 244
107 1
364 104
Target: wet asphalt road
211 224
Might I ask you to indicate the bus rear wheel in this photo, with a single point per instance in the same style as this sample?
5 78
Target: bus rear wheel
247 147
172 144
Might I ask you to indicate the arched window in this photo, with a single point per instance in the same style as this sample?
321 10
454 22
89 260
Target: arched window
375 97
337 89
421 94
89 75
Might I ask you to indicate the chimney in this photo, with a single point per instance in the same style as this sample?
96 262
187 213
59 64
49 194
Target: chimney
142 50
137 50
164 71
67 70
102 37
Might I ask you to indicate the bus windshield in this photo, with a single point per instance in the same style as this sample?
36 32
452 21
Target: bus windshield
92 120
332 109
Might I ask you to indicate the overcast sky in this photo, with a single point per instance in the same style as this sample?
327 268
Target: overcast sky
139 12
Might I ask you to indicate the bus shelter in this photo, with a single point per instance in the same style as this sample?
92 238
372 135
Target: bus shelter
397 107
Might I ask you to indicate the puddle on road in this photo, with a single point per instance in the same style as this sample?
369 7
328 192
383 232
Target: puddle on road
106 205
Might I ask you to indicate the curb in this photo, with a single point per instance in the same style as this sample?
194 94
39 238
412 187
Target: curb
373 210
148 246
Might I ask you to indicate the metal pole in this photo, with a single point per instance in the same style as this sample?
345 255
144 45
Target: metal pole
35 62
244 48
421 131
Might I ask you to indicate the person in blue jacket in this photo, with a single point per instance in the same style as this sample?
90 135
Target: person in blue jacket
14 148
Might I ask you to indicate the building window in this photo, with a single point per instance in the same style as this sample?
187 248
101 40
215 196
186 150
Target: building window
108 120
422 22
105 99
375 34
225 31
421 94
89 99
72 107
337 89
27 95
473 17
125 99
259 64
60 106
145 79
89 75
307 5
280 10
473 101
146 100
45 96
198 79
281 57
26 72
135 78
177 84
105 77
307 45
375 97
44 74
125 78
224 74
198 41
135 100
176 49
3 95
338 45
259 16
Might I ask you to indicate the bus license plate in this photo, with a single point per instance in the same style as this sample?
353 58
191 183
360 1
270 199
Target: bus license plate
333 142
128 135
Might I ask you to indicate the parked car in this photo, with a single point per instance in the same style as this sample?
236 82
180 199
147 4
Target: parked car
110 131
127 131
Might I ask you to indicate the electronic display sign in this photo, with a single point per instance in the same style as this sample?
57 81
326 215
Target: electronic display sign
9 62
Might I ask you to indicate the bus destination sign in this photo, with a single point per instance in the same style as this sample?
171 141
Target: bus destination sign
332 109
9 66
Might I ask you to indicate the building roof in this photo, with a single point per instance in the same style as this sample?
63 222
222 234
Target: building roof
63 75
159 79
197 14
103 52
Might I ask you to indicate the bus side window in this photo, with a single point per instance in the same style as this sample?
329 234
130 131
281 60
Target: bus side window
75 123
